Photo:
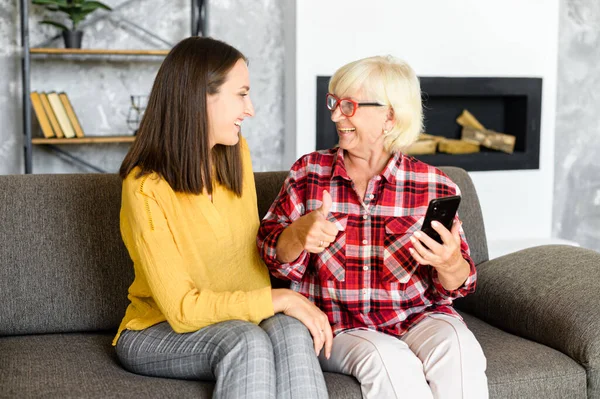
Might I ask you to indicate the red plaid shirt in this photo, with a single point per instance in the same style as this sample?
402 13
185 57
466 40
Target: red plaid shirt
366 278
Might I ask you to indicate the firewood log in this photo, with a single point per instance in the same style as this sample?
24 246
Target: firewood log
422 147
467 119
452 146
490 139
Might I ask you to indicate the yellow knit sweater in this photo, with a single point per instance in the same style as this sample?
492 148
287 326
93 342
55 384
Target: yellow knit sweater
195 261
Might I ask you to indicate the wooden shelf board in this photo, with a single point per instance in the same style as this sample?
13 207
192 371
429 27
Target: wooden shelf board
85 51
84 140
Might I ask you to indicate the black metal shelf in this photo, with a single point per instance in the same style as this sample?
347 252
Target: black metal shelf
199 16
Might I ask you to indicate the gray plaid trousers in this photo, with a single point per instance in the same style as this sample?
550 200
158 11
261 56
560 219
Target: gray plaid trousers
273 360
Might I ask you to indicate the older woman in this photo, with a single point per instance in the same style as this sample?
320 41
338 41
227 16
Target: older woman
345 230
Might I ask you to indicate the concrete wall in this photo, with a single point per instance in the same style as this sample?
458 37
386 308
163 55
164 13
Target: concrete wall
99 89
577 180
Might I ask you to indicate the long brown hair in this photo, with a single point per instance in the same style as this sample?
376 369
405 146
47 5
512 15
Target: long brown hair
173 136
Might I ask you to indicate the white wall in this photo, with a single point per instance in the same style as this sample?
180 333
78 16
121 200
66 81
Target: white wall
441 38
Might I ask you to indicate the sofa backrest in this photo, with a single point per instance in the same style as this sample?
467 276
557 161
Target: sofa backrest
63 266
470 214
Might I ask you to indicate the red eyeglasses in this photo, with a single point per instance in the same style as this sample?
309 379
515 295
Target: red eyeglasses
347 106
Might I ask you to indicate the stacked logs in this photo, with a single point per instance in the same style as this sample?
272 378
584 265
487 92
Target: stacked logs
474 135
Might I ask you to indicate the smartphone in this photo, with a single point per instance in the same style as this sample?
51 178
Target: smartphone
443 210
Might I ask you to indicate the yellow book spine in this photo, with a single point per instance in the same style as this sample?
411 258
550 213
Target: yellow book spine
42 118
53 121
71 114
61 115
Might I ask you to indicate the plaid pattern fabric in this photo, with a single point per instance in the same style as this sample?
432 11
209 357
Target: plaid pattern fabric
273 360
366 278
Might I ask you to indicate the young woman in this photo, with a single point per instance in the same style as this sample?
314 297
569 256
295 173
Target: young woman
201 302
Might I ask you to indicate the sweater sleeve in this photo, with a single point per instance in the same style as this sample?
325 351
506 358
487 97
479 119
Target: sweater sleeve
153 248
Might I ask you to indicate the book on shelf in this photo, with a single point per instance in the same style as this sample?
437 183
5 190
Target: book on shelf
71 114
51 116
61 114
42 118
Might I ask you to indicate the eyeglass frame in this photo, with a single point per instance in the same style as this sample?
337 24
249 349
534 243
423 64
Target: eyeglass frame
356 104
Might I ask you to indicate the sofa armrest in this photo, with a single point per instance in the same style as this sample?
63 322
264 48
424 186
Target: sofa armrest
549 294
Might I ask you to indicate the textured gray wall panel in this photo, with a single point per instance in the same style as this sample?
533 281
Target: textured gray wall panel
256 28
577 154
11 153
99 89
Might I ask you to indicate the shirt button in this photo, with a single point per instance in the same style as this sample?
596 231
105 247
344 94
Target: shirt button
371 196
365 268
365 217
364 242
378 178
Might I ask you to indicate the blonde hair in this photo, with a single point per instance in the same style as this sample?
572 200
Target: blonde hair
390 81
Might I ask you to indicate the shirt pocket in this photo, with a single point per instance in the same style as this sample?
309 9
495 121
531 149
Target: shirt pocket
399 265
331 263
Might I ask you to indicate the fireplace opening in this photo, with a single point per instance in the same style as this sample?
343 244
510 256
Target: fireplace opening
507 105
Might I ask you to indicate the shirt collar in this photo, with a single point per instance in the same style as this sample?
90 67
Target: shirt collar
393 169
339 167
390 172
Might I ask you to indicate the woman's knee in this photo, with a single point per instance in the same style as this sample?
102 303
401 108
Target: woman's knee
290 329
471 350
249 334
384 366
453 338
245 338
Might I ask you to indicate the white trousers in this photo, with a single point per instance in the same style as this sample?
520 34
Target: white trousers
438 357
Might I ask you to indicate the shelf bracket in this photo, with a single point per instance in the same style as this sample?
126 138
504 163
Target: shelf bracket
199 18
75 159
199 22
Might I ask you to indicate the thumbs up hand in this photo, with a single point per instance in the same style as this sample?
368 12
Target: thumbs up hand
326 206
313 231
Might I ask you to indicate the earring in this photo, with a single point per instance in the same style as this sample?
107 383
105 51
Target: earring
385 131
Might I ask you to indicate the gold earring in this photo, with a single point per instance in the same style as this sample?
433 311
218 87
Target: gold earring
385 131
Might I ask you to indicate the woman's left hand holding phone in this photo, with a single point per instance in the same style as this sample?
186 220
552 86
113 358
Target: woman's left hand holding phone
452 268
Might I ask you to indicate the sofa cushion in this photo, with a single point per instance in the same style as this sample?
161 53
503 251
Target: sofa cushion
519 368
85 366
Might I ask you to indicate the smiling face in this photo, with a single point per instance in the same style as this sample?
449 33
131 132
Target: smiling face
228 108
363 132
385 80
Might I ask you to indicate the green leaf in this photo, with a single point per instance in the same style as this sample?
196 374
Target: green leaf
66 10
77 19
93 5
50 2
79 16
55 24
76 10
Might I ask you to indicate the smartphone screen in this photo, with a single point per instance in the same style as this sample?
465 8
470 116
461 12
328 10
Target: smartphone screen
443 210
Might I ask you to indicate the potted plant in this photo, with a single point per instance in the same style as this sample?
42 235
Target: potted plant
76 11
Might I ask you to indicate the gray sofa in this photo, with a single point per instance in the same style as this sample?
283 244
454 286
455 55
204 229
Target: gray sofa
64 274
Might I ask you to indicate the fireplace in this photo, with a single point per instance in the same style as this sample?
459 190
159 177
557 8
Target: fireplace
507 105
